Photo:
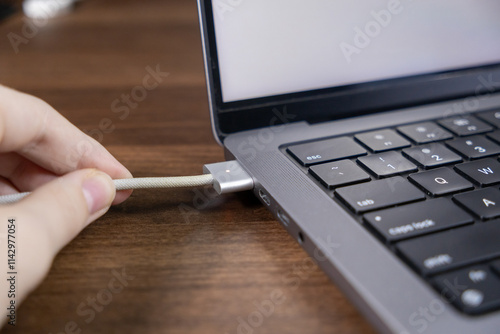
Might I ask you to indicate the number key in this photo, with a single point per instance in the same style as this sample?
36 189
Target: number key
492 117
387 164
474 147
431 155
495 136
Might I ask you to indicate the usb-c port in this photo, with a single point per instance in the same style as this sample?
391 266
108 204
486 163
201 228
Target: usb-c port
283 218
264 197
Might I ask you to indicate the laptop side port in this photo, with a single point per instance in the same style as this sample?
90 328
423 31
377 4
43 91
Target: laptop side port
264 197
283 217
300 238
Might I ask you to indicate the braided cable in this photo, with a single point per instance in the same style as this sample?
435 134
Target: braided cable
164 182
140 183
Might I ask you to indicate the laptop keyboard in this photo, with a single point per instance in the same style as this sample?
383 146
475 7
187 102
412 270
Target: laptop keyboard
430 192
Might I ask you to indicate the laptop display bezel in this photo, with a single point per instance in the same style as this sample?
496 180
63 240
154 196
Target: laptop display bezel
334 103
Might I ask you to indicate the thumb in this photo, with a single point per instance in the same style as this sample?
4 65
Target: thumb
68 204
48 219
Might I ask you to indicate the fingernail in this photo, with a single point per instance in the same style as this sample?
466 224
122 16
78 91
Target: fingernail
98 191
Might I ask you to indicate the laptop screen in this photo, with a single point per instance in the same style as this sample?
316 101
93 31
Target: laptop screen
268 48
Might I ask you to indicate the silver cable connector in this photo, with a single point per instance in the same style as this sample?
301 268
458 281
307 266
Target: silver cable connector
229 177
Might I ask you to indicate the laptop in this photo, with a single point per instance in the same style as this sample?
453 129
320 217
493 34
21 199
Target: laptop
372 132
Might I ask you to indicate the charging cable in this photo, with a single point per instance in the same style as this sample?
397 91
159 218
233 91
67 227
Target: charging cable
225 177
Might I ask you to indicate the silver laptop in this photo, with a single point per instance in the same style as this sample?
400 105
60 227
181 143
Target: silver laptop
371 130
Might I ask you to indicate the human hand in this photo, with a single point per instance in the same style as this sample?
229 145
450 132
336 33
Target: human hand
69 175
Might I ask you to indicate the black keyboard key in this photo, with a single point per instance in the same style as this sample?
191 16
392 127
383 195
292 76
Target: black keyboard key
431 155
426 132
326 150
485 203
474 147
496 266
382 140
495 136
465 126
379 194
453 248
387 164
484 172
492 117
339 173
441 181
473 290
416 219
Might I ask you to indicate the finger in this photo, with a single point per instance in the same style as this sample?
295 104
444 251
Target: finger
35 130
66 205
24 174
51 217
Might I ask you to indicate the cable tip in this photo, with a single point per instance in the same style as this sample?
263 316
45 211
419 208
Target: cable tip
229 177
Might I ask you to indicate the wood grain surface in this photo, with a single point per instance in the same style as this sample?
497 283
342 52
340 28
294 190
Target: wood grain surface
188 262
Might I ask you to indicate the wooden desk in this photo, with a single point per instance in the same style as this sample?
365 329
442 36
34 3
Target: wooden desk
199 264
